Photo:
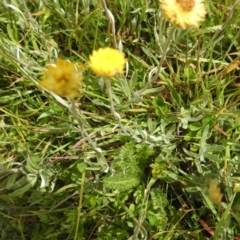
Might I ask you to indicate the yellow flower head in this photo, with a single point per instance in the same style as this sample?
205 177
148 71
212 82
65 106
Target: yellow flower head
184 13
63 78
107 62
214 192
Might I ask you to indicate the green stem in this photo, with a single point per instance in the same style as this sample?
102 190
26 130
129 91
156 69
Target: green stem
113 111
142 215
112 22
81 125
80 203
139 226
98 151
159 67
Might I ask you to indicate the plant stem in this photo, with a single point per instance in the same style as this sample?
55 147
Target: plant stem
112 22
113 111
98 151
157 69
80 203
142 215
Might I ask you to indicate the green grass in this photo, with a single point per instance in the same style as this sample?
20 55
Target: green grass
179 133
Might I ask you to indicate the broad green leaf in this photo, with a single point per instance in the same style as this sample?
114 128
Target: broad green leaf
19 192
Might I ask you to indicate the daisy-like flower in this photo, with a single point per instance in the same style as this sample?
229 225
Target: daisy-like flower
184 13
63 78
107 62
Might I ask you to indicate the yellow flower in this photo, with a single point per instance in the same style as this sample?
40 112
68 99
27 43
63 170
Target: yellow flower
107 62
63 78
214 192
184 13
